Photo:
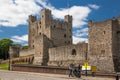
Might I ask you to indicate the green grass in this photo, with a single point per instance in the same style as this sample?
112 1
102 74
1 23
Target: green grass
21 62
4 66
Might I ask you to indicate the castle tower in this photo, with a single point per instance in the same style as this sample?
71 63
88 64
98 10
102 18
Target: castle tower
46 21
104 44
46 32
31 32
68 19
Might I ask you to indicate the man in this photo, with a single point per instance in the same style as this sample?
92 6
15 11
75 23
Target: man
79 70
70 70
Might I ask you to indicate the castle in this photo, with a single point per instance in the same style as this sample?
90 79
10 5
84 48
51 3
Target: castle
50 41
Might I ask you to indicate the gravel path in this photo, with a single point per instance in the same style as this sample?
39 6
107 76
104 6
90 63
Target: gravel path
14 75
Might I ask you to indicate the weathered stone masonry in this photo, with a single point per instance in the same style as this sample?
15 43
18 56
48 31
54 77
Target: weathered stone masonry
66 55
48 32
104 47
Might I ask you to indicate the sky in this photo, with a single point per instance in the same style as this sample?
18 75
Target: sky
14 15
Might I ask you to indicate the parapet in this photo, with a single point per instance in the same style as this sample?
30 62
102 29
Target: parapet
68 18
32 18
46 10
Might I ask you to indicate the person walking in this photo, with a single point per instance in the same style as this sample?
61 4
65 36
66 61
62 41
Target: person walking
79 70
70 70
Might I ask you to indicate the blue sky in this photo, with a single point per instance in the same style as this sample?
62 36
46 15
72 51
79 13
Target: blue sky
14 15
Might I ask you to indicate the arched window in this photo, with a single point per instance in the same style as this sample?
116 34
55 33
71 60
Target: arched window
73 52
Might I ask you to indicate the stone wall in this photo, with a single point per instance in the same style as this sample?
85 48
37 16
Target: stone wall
63 30
104 44
116 43
27 52
42 44
66 55
14 51
40 69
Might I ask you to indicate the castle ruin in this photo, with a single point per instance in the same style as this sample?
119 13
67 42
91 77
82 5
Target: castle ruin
50 41
50 37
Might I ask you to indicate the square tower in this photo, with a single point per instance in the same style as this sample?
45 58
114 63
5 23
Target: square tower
60 32
104 44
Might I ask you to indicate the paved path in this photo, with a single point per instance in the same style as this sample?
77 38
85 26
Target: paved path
14 75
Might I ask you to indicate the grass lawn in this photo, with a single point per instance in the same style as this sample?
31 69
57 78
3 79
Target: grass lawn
4 66
21 62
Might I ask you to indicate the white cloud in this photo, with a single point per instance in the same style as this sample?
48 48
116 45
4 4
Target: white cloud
94 6
20 39
79 13
15 12
78 39
81 32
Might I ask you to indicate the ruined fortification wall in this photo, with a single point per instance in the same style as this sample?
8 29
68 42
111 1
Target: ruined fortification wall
66 55
42 44
27 52
101 45
116 43
14 51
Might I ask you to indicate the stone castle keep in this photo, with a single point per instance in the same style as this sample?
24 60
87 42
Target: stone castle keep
50 41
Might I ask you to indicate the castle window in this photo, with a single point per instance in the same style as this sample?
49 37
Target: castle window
40 33
104 32
73 52
70 36
70 30
40 26
102 52
33 46
42 16
65 35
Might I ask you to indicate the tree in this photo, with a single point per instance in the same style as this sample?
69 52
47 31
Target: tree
4 48
25 47
18 45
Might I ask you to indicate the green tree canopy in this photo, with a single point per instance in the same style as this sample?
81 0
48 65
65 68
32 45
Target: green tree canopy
18 45
4 47
25 47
